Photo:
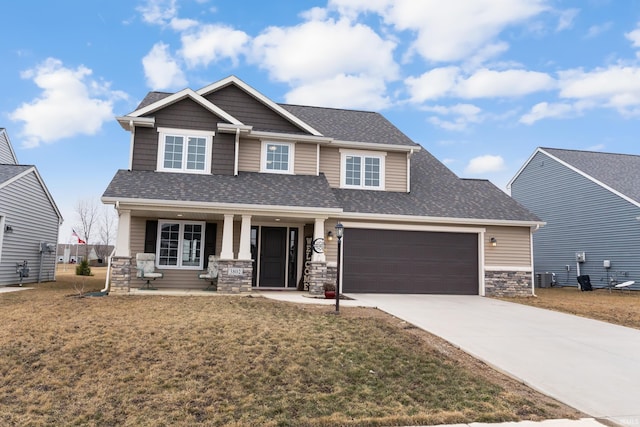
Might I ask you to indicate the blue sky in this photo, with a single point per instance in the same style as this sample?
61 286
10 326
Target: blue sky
480 84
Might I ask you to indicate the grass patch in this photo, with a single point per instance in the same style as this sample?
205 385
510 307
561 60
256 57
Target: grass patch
224 360
617 307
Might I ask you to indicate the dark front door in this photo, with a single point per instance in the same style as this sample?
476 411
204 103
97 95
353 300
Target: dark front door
273 256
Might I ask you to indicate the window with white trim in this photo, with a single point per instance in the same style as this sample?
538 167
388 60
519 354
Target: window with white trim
362 170
181 150
277 157
180 244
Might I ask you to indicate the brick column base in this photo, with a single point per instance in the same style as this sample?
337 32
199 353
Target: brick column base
235 276
120 279
508 283
317 277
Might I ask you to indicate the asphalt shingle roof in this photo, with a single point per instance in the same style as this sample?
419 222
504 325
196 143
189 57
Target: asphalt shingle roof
246 188
9 171
350 125
618 171
437 192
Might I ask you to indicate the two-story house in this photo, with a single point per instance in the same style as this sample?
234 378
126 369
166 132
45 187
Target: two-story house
224 170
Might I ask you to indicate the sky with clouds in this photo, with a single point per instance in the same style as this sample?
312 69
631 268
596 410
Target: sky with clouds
480 84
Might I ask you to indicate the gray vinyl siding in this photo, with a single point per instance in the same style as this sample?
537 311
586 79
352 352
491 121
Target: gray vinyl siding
250 111
223 154
6 155
26 207
581 216
145 150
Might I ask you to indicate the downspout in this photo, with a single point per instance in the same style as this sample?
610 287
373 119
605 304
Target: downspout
132 129
235 161
106 282
533 273
409 155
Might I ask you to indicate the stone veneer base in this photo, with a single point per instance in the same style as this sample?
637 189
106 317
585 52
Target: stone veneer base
235 276
508 283
317 277
120 279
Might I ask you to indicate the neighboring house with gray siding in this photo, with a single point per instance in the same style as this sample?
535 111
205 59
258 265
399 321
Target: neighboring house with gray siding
226 171
29 218
590 202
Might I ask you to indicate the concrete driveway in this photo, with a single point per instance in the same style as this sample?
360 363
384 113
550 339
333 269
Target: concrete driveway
591 365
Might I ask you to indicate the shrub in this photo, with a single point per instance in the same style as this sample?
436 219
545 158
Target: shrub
83 269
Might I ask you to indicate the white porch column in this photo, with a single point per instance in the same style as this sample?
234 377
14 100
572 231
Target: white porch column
123 247
227 238
244 253
318 233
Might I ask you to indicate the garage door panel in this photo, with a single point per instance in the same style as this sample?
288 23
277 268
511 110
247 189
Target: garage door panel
394 261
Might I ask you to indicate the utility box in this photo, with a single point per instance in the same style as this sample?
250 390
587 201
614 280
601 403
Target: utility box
544 280
581 257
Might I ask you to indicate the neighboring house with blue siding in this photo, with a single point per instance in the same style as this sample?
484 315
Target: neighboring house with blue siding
590 202
29 218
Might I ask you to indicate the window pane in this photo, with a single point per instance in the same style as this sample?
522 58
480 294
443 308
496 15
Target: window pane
173 152
191 244
352 170
277 157
169 237
371 172
196 149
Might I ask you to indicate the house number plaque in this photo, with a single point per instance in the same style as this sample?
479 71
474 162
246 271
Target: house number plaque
236 271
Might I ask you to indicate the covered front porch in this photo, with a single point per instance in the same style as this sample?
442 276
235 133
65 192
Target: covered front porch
284 249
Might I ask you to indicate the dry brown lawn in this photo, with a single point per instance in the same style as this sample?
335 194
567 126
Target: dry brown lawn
225 360
618 307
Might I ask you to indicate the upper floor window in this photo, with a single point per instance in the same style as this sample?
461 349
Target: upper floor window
182 150
277 157
362 169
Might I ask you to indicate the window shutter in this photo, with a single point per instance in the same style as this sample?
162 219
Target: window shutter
150 237
209 240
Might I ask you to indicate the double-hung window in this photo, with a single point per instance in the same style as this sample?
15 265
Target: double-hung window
363 170
182 150
277 157
180 244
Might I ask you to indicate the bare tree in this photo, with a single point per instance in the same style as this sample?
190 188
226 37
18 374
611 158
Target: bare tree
108 225
87 210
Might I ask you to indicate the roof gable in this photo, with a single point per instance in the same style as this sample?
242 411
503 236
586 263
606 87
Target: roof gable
617 173
7 155
12 173
179 96
233 80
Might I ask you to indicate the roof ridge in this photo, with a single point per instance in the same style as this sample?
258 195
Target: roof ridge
327 108
590 151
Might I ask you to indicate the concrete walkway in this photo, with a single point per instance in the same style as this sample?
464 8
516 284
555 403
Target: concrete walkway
591 365
5 289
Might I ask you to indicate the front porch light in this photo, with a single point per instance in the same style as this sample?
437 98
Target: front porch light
494 241
329 236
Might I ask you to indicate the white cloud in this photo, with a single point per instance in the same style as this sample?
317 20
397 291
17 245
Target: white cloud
70 104
460 30
433 84
158 12
210 43
162 70
180 24
596 30
485 164
544 110
319 50
616 87
510 83
463 115
597 147
342 91
483 83
634 37
566 19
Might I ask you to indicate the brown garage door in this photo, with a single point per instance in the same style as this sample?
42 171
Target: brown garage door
410 262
